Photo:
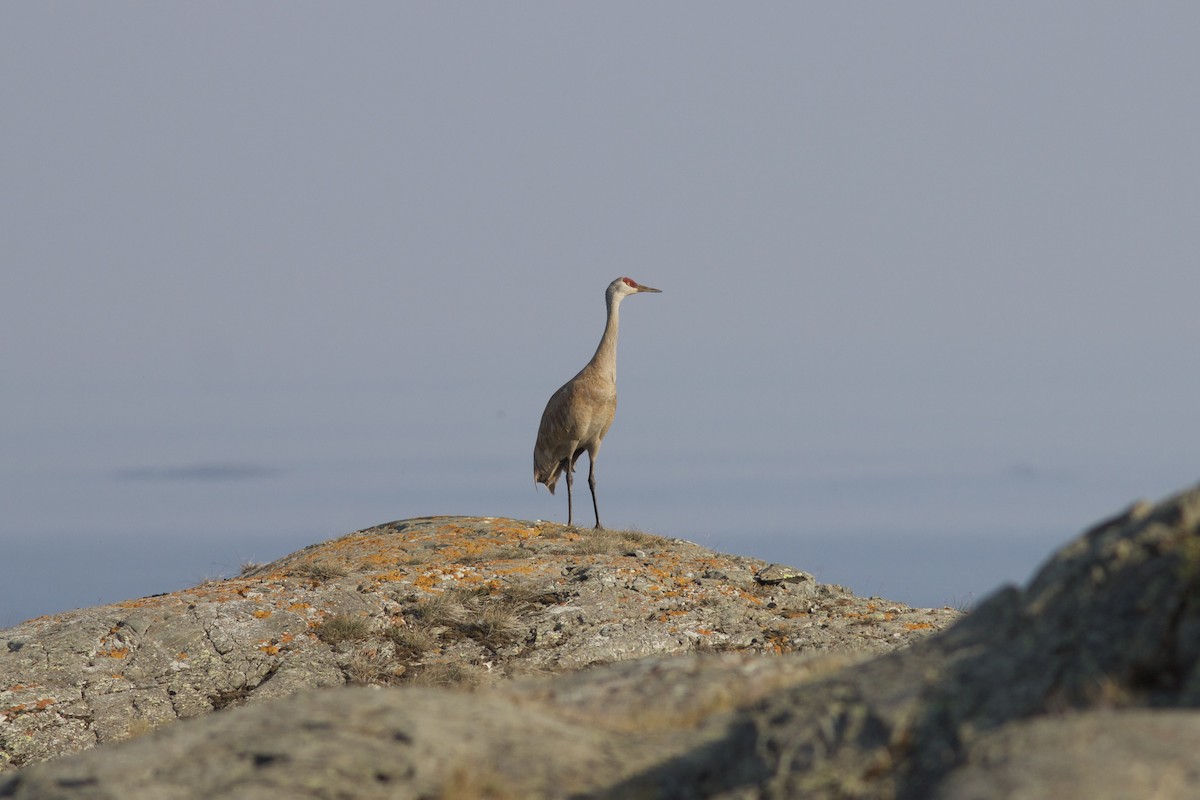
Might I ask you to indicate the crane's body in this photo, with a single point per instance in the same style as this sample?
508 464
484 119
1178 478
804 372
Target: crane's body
579 414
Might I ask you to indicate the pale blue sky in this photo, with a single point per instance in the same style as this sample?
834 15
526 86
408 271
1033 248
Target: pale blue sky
942 240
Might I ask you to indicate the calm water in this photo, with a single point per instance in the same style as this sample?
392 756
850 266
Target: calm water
122 501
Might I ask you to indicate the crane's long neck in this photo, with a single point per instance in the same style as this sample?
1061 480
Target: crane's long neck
605 360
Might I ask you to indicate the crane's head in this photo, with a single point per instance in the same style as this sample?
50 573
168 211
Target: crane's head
623 287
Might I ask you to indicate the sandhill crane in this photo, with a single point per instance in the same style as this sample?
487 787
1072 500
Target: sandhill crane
581 411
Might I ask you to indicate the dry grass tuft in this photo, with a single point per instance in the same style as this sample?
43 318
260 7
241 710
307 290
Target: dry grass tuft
505 552
498 624
411 652
608 542
447 674
476 783
372 666
417 557
473 613
411 641
343 628
319 571
450 608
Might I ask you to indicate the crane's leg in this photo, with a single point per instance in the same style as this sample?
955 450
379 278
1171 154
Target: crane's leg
570 470
592 486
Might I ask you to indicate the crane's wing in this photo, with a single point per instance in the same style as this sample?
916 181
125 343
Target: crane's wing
555 439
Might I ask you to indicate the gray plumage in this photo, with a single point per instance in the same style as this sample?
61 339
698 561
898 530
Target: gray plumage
580 413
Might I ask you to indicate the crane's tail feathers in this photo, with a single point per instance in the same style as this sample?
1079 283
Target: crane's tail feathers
548 479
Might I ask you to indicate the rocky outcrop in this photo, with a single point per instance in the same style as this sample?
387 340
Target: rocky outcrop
1085 683
433 602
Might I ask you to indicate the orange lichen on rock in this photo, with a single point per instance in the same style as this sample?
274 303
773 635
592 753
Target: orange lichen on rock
269 647
742 593
26 708
427 580
390 576
12 711
114 652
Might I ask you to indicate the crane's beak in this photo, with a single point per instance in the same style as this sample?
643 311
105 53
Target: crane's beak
648 289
